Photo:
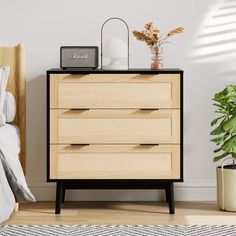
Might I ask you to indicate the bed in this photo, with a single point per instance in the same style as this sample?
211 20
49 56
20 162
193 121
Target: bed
13 187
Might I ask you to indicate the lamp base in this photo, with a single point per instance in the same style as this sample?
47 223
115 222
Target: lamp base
115 67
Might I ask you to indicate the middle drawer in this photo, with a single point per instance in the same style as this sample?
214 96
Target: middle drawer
132 126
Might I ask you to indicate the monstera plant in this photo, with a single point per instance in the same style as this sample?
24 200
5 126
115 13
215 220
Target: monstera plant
225 132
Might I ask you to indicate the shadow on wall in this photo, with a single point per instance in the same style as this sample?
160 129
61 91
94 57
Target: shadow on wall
216 40
36 127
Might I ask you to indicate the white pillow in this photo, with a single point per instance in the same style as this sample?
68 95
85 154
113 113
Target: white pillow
9 107
4 74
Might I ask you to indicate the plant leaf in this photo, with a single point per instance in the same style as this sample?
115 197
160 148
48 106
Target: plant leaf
230 145
226 96
220 157
230 125
216 120
217 150
221 111
219 105
223 121
220 139
217 131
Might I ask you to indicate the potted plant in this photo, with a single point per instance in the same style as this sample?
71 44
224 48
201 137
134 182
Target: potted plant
225 132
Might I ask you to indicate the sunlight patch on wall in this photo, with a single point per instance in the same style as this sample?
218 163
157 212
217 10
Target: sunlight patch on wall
216 38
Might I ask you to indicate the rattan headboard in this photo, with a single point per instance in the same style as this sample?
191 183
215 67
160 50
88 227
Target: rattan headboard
15 58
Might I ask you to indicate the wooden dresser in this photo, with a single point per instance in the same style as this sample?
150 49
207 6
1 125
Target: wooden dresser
115 130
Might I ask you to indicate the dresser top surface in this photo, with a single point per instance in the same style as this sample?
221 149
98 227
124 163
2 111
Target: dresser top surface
99 71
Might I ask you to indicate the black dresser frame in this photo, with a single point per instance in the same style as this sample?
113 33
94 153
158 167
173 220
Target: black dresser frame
167 184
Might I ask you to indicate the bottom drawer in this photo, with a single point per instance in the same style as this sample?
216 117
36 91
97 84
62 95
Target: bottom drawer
114 162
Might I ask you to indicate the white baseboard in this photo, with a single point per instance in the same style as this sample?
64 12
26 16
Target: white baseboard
183 192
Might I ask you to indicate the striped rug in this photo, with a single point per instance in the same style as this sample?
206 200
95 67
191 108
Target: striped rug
120 230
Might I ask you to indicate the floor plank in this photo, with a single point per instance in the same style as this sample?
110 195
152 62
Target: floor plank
121 213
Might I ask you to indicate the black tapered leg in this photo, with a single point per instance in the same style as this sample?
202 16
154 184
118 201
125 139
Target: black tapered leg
171 200
59 197
63 194
167 194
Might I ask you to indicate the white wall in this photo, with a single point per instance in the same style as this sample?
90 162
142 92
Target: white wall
46 25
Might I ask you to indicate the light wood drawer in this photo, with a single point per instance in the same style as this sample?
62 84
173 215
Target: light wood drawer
114 126
115 162
115 91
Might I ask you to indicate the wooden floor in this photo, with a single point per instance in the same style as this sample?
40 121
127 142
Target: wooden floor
122 213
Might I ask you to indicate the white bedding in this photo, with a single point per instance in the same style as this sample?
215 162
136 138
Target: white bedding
10 135
12 180
7 199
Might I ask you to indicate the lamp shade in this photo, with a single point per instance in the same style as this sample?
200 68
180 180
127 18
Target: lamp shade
115 48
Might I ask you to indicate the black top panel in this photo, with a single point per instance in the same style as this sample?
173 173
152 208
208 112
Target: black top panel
99 71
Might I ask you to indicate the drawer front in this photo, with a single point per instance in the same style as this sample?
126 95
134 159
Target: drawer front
115 91
115 162
131 126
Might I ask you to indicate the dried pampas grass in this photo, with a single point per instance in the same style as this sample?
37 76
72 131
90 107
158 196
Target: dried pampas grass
178 30
143 37
152 37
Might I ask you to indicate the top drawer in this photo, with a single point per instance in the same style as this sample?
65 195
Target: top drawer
115 91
